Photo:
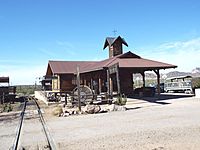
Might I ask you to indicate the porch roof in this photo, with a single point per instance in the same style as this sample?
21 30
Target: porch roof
126 60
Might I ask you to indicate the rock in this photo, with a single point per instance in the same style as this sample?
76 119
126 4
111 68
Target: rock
111 107
91 109
71 111
103 111
121 108
66 114
114 107
84 108
97 108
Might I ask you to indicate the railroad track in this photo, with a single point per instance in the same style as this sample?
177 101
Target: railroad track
32 131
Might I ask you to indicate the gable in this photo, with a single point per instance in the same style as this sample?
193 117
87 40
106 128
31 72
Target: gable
111 40
128 55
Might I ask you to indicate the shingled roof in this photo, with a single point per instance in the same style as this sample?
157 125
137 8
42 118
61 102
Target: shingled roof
111 40
68 67
126 60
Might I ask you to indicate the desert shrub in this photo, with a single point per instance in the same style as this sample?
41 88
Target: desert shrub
121 100
7 108
196 82
27 89
57 111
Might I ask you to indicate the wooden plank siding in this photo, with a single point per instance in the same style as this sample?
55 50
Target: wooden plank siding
126 81
66 82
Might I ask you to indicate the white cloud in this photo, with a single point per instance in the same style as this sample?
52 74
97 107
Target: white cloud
65 44
184 54
24 75
46 52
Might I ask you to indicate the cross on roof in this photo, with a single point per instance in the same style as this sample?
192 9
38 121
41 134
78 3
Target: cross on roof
114 32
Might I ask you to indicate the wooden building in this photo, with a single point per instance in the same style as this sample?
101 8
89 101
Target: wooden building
7 92
114 74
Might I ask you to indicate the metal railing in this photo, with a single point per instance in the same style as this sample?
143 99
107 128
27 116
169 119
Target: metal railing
178 86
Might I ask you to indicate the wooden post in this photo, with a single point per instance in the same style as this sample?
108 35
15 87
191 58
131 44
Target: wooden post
99 85
3 97
65 98
91 84
85 82
118 80
158 82
108 82
78 87
111 87
143 79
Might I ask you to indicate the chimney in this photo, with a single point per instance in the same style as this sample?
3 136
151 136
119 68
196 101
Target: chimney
115 45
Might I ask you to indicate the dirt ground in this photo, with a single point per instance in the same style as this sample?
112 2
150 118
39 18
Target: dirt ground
167 124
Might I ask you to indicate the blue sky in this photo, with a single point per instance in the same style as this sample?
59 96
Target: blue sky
35 31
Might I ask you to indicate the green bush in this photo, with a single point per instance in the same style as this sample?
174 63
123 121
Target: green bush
121 100
196 83
27 89
7 108
57 111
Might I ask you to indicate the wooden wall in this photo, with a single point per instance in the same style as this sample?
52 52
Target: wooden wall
66 81
115 49
126 81
56 83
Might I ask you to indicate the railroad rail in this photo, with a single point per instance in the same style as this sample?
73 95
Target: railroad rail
28 100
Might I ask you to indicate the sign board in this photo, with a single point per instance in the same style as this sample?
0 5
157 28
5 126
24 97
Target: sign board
4 79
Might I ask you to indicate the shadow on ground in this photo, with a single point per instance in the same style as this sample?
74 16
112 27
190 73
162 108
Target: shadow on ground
163 96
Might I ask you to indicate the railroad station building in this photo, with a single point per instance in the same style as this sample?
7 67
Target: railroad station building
114 74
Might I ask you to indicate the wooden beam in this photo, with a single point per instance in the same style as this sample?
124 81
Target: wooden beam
111 87
108 82
78 87
100 85
65 98
91 83
118 80
85 82
143 78
158 82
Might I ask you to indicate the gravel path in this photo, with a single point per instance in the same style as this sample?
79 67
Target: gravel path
175 125
162 125
8 124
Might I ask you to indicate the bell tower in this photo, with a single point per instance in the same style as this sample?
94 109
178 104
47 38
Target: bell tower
115 45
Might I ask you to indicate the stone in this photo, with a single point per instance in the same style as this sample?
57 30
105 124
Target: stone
111 107
91 109
71 111
97 108
114 107
121 108
66 114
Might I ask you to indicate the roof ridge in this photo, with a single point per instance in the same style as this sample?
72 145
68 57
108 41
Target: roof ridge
112 59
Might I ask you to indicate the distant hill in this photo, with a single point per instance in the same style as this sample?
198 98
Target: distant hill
196 70
194 73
